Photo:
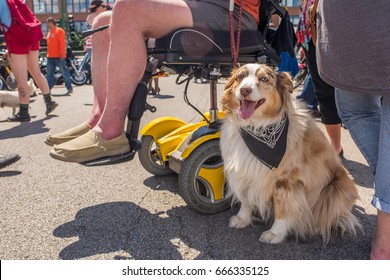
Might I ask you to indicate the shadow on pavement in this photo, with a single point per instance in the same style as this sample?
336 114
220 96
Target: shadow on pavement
180 233
361 173
26 129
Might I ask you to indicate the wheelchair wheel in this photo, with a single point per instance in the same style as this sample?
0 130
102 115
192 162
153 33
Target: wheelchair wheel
201 180
150 158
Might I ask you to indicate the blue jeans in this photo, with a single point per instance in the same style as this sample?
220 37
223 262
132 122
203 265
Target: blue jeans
308 95
51 67
367 118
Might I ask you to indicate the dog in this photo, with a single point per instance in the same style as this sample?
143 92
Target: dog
11 98
296 179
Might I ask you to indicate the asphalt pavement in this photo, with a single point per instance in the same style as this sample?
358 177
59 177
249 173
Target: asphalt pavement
53 210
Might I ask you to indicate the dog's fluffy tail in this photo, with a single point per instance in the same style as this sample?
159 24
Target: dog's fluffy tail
332 210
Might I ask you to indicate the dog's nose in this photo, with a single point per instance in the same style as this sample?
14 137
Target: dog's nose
245 91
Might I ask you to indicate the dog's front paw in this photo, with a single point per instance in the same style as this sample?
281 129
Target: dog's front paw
237 222
271 238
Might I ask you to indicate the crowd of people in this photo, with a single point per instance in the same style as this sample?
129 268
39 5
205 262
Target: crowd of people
349 89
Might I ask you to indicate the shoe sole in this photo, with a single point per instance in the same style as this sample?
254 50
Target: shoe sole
52 109
117 152
9 163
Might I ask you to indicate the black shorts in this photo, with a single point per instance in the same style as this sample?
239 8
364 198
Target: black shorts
214 15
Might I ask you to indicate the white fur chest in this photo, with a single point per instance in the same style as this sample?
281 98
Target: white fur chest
247 176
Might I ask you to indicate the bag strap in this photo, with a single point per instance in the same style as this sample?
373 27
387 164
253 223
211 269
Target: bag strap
312 16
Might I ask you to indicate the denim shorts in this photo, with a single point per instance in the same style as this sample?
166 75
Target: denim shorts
214 15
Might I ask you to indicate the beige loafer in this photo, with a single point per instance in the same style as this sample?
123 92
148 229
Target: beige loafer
70 134
90 146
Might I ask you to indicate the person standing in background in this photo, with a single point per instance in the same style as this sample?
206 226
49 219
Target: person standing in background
56 54
97 7
323 91
361 75
23 57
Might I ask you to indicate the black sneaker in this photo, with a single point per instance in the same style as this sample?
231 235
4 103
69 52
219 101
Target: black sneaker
50 108
20 118
69 91
6 160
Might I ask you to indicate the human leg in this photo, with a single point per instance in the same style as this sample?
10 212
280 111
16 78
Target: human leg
35 71
18 63
51 67
101 42
65 73
381 242
367 118
326 100
156 87
361 115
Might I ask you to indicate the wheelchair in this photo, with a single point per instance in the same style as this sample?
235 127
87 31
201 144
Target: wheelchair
170 145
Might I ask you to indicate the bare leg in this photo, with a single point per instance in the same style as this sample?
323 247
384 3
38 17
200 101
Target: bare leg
101 45
156 85
127 64
33 68
18 64
130 24
334 133
381 243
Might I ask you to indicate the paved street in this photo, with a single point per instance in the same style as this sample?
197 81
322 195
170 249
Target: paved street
55 210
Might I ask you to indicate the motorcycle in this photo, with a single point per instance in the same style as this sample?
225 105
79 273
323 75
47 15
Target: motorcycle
7 78
78 67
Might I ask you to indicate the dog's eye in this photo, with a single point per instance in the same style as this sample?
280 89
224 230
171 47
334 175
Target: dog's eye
264 79
240 77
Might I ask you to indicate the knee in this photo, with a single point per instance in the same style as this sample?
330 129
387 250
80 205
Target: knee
130 9
102 19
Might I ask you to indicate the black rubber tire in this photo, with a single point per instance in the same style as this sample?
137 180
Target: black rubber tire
2 83
148 156
195 190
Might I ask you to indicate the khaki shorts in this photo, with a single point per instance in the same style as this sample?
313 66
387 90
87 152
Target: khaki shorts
214 15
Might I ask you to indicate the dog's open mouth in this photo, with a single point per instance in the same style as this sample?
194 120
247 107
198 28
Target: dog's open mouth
248 107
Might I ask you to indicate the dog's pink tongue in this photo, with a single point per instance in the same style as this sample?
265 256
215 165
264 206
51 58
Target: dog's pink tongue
246 109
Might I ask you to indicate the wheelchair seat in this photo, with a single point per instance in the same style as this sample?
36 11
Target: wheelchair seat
199 47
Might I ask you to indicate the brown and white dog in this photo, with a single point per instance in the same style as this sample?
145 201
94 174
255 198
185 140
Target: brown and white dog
11 98
308 192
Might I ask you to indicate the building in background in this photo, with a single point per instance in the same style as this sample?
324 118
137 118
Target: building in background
293 9
61 9
79 8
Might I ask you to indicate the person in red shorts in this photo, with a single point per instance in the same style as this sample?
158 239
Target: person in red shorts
23 58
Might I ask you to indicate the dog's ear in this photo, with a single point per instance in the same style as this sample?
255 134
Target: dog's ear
227 96
232 79
284 82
